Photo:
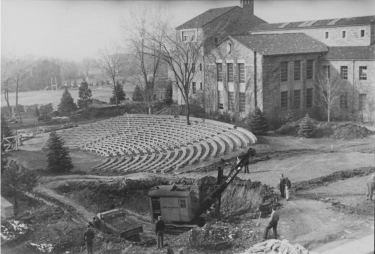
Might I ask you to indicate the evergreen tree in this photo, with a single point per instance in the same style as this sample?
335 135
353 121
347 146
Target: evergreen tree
306 127
169 93
258 122
37 113
85 94
119 93
5 131
58 157
46 109
15 180
137 94
67 104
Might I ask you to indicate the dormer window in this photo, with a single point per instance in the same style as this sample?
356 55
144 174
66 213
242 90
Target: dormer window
187 36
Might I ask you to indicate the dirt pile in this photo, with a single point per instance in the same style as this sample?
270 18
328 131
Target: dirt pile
221 235
243 197
325 129
275 246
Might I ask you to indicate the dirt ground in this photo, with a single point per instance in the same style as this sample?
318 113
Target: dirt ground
320 217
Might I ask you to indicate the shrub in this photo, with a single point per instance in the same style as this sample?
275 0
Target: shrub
306 127
258 122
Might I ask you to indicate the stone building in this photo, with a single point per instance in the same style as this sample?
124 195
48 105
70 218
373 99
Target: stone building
278 67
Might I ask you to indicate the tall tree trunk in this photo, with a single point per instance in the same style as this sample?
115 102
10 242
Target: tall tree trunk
329 113
6 95
149 109
187 110
18 110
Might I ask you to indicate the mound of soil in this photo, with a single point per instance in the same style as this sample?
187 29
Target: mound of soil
325 129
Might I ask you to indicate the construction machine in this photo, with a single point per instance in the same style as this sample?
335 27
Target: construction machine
184 204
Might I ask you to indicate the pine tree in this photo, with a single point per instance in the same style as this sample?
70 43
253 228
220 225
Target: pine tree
16 180
5 131
119 93
67 104
137 94
85 94
306 127
258 122
168 93
58 157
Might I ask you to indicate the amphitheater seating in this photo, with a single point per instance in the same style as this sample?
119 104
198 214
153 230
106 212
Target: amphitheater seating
153 143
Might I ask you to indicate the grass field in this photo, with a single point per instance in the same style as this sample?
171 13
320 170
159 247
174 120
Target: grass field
48 96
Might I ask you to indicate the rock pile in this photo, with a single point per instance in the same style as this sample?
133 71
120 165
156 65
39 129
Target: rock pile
274 246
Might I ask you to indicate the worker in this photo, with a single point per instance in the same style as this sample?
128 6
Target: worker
282 185
88 237
370 187
272 224
159 230
288 186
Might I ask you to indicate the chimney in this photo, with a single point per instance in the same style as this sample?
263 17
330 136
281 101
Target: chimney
248 6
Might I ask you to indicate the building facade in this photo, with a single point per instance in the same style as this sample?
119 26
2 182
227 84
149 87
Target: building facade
280 67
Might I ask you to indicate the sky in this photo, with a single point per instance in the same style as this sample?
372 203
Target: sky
73 30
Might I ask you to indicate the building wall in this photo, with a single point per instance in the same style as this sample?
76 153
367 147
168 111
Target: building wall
238 54
352 88
273 86
335 35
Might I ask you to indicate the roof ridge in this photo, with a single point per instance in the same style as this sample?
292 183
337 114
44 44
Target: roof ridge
220 15
320 19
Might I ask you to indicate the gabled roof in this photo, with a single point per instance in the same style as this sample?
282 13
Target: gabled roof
352 53
281 44
244 24
205 17
316 23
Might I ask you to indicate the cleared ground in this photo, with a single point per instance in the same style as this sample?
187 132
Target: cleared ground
318 218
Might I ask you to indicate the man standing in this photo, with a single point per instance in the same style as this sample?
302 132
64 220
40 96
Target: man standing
88 237
370 187
282 185
288 185
159 230
272 224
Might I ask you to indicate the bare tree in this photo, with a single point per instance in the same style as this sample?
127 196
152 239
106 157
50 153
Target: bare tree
147 62
87 64
328 87
6 81
112 63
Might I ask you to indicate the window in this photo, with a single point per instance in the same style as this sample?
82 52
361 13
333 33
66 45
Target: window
242 102
297 99
194 88
309 69
193 67
188 36
201 86
241 72
327 71
230 72
182 203
362 33
219 68
344 72
362 101
220 99
327 35
309 97
200 67
284 100
362 72
284 71
297 70
343 34
216 39
231 99
344 101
